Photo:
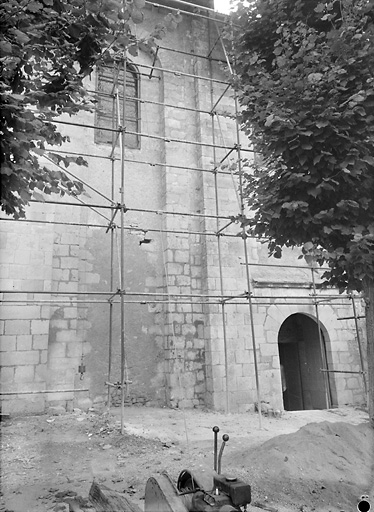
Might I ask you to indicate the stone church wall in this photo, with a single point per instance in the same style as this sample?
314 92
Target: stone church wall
180 351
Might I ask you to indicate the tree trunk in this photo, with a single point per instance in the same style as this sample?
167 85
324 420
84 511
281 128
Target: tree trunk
368 287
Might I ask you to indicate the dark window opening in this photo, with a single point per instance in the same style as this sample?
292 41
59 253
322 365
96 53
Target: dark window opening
109 109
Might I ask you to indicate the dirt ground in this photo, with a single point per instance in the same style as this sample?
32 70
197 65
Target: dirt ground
302 461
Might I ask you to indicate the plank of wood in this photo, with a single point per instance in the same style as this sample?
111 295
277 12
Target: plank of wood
107 500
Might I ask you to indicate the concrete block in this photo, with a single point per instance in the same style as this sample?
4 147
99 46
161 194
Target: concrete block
40 342
22 257
74 275
7 374
181 256
175 268
57 350
19 312
68 262
74 250
26 357
18 327
6 275
43 356
61 250
59 323
268 349
60 274
41 373
24 342
7 343
24 373
68 287
70 312
7 257
39 326
67 336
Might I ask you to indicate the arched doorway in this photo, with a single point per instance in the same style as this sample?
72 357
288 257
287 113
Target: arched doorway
303 383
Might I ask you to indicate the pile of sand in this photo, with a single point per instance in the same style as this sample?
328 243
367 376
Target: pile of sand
323 466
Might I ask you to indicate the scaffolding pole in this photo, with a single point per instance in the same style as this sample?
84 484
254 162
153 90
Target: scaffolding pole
124 376
218 237
326 375
360 348
244 236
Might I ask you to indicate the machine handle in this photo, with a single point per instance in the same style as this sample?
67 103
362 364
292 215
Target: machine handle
225 438
215 430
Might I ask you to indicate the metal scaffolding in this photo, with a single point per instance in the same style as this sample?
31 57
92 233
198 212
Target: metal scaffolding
113 214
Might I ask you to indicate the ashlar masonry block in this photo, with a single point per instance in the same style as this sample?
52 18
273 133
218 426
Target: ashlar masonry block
25 373
26 357
7 374
19 312
24 342
40 342
18 327
57 350
39 327
8 343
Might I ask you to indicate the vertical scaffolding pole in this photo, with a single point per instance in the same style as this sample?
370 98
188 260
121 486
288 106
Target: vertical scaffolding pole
112 228
359 347
124 379
219 248
244 236
326 375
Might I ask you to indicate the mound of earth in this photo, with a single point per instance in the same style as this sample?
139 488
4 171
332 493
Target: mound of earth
323 466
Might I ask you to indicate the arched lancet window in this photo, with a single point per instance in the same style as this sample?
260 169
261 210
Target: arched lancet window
110 77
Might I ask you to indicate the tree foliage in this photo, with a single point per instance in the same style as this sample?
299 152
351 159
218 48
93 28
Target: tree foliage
305 76
47 48
305 81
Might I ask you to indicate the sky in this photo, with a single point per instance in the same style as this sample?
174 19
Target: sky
222 5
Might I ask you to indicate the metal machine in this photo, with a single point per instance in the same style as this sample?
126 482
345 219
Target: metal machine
198 491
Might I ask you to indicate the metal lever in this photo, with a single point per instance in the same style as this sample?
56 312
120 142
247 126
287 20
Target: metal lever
215 430
225 438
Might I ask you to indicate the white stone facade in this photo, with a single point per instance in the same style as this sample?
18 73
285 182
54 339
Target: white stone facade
182 348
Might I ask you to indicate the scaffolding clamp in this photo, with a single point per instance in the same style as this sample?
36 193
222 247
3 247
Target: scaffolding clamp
122 207
118 385
154 62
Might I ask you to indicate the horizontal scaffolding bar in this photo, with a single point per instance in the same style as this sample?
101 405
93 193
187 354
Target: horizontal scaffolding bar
285 266
145 162
43 391
342 371
160 103
165 302
182 73
352 317
128 228
150 136
191 54
129 209
167 294
117 292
